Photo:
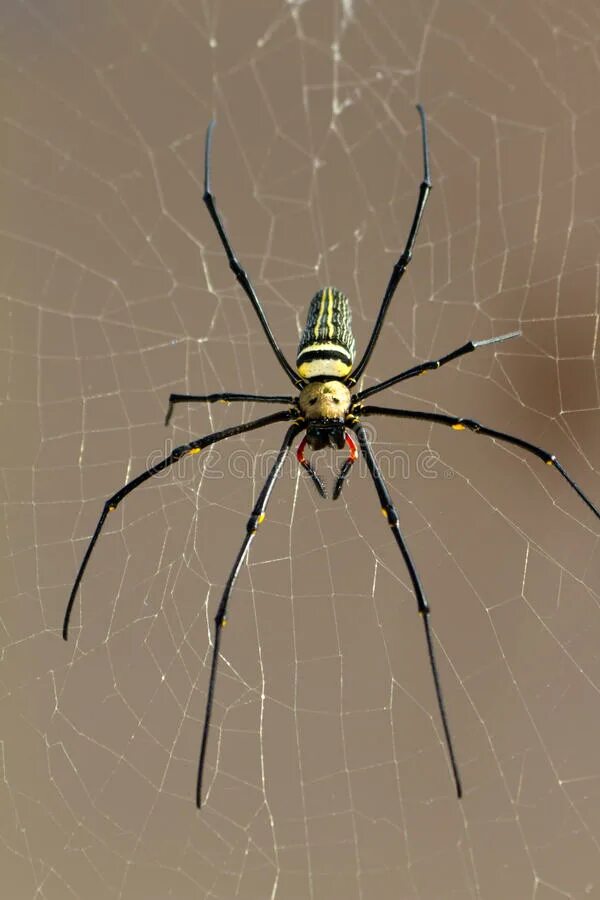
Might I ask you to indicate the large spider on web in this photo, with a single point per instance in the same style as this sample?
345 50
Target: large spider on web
327 411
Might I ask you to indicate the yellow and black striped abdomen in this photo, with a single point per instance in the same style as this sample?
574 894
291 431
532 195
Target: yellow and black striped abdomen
327 344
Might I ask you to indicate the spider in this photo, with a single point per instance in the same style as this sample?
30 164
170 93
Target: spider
326 410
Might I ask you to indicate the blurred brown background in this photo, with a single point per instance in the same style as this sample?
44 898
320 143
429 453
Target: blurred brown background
327 775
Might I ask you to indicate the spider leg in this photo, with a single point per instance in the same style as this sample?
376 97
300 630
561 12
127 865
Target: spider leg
256 517
308 468
433 364
459 424
112 502
235 266
404 259
347 465
223 398
387 507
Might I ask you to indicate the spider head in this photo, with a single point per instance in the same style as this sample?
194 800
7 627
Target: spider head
324 402
323 433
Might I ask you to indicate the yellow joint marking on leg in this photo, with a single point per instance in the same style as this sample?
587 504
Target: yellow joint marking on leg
226 402
261 518
384 512
223 623
192 451
112 508
458 426
550 462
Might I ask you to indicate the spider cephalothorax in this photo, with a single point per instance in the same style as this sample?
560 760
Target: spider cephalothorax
327 412
324 406
324 401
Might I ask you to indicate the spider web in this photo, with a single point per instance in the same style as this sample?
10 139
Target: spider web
327 774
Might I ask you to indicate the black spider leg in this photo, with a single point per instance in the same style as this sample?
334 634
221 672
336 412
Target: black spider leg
405 258
193 447
308 467
235 266
318 483
256 517
224 398
459 424
433 364
387 507
346 467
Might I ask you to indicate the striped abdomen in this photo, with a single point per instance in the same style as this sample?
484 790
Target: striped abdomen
327 343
